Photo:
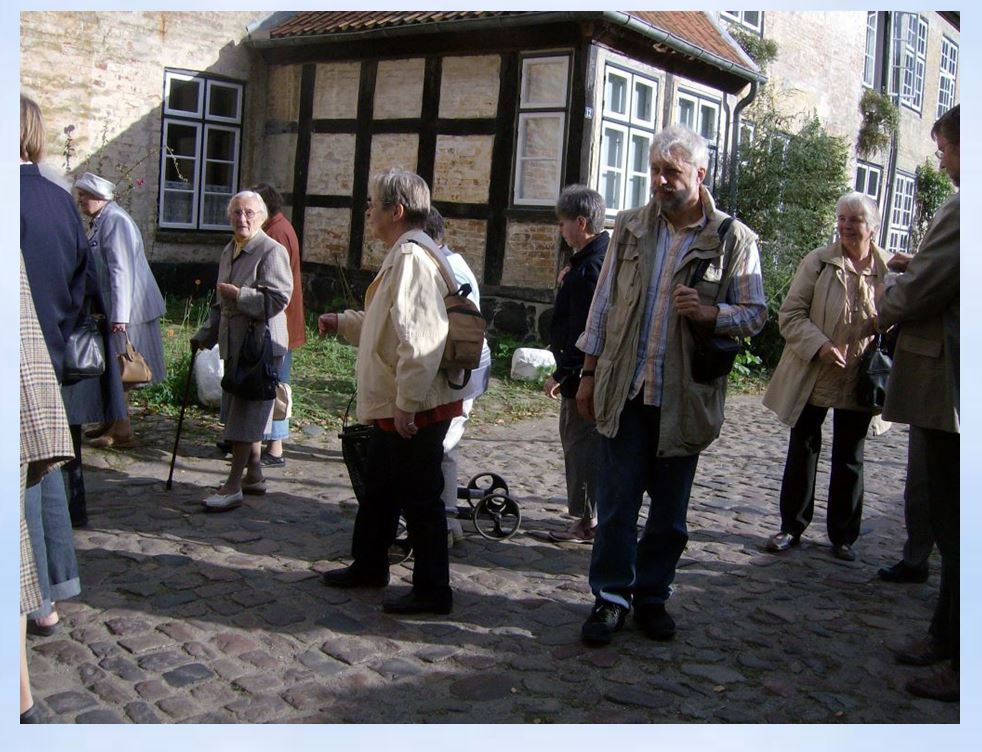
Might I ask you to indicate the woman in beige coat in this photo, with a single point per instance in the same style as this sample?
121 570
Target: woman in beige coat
827 321
254 284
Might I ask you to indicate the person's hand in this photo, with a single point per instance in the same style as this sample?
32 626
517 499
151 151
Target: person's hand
118 326
898 262
327 323
831 355
562 274
551 388
405 426
228 291
584 399
687 303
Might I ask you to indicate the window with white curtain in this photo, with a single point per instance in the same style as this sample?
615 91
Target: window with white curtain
200 150
909 59
901 213
629 116
542 115
949 74
701 114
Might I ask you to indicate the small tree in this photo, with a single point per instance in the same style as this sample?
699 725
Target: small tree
789 180
933 188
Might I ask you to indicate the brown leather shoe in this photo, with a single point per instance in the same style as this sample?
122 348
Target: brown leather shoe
942 685
923 652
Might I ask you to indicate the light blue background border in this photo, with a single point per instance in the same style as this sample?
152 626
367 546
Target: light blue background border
479 738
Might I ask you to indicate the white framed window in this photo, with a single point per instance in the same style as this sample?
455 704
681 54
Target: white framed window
869 61
901 213
629 114
701 114
868 179
909 59
949 75
543 104
200 150
749 19
538 170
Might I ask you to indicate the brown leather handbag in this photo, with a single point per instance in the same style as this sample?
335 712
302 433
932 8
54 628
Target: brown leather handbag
133 367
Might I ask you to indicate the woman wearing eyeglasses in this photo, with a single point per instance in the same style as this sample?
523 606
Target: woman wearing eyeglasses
254 284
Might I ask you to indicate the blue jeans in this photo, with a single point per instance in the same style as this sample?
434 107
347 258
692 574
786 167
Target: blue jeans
624 569
50 531
281 428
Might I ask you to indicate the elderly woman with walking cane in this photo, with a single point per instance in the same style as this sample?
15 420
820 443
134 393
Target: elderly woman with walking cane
254 287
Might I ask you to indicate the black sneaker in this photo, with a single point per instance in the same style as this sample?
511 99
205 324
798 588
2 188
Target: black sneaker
268 460
904 572
605 619
354 576
415 602
655 621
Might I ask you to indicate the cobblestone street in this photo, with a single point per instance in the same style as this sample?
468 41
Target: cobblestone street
196 618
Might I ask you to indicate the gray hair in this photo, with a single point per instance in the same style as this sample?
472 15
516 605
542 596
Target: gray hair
250 195
856 200
579 201
677 142
394 187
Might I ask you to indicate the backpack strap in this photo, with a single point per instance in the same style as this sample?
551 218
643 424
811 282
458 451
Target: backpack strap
703 264
423 241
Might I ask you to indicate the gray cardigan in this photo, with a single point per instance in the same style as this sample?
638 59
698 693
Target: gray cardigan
265 264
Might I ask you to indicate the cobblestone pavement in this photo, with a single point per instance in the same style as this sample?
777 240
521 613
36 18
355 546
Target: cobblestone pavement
202 618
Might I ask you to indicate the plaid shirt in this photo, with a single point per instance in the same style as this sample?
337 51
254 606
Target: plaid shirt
741 314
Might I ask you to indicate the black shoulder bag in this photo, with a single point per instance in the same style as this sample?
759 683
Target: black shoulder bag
873 373
254 376
714 354
85 350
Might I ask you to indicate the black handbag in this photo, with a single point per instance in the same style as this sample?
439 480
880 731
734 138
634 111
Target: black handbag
254 376
714 354
873 373
85 350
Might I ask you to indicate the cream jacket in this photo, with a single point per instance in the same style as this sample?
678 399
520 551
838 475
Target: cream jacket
401 334
808 316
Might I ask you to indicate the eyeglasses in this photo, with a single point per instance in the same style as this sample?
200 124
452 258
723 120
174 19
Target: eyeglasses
939 154
247 213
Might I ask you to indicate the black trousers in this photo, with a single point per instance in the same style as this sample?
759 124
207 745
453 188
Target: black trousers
845 501
943 467
75 481
405 475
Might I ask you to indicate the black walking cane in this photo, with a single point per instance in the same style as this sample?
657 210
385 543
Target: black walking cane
180 420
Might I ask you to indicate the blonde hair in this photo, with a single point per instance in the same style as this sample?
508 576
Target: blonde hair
31 130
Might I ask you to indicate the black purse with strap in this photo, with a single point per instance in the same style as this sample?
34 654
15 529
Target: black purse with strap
873 373
714 354
254 377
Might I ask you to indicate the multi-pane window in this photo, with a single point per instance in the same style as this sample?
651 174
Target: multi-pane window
909 59
199 155
750 19
949 74
868 179
541 129
701 114
869 61
901 213
625 140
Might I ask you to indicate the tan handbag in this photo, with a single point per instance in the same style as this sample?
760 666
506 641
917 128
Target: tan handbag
283 405
133 368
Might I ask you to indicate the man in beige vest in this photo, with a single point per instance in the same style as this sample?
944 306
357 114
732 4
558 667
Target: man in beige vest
637 380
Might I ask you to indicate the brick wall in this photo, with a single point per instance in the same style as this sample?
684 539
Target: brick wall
325 235
530 254
394 150
469 86
336 93
399 89
102 73
332 164
462 170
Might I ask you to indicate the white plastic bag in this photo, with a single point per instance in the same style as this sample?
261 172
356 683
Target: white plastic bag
529 364
208 372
